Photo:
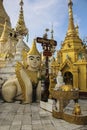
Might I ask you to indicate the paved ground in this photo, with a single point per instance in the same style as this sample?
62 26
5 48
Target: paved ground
16 116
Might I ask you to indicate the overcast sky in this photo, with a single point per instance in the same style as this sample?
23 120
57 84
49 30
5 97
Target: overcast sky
41 14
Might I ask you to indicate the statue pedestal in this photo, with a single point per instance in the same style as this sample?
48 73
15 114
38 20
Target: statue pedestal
61 114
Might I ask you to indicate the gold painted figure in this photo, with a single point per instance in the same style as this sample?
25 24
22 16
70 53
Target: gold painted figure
77 109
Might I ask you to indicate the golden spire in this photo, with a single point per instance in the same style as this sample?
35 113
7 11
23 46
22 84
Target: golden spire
33 50
20 27
72 39
4 36
71 27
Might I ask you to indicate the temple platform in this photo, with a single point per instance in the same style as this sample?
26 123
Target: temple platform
16 116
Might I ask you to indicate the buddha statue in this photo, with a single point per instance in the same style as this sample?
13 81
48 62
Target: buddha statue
26 85
59 80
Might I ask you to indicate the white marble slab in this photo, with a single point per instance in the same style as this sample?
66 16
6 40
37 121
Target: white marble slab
47 105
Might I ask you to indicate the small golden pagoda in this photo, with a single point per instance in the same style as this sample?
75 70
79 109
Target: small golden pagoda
72 57
21 27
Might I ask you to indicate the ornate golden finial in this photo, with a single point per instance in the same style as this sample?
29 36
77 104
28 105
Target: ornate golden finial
52 37
45 36
4 36
21 3
20 27
71 27
70 2
33 50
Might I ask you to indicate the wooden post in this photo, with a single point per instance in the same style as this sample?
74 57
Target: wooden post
47 45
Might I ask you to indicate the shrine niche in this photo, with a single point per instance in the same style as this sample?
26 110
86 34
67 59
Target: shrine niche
70 72
68 78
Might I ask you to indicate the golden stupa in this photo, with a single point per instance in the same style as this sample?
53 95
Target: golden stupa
72 57
3 17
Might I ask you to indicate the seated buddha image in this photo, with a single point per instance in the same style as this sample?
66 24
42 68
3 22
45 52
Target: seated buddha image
59 80
25 86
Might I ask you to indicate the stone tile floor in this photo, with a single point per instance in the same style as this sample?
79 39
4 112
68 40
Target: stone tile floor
16 116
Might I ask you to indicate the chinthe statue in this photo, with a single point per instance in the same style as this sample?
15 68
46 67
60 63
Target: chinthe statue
26 85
